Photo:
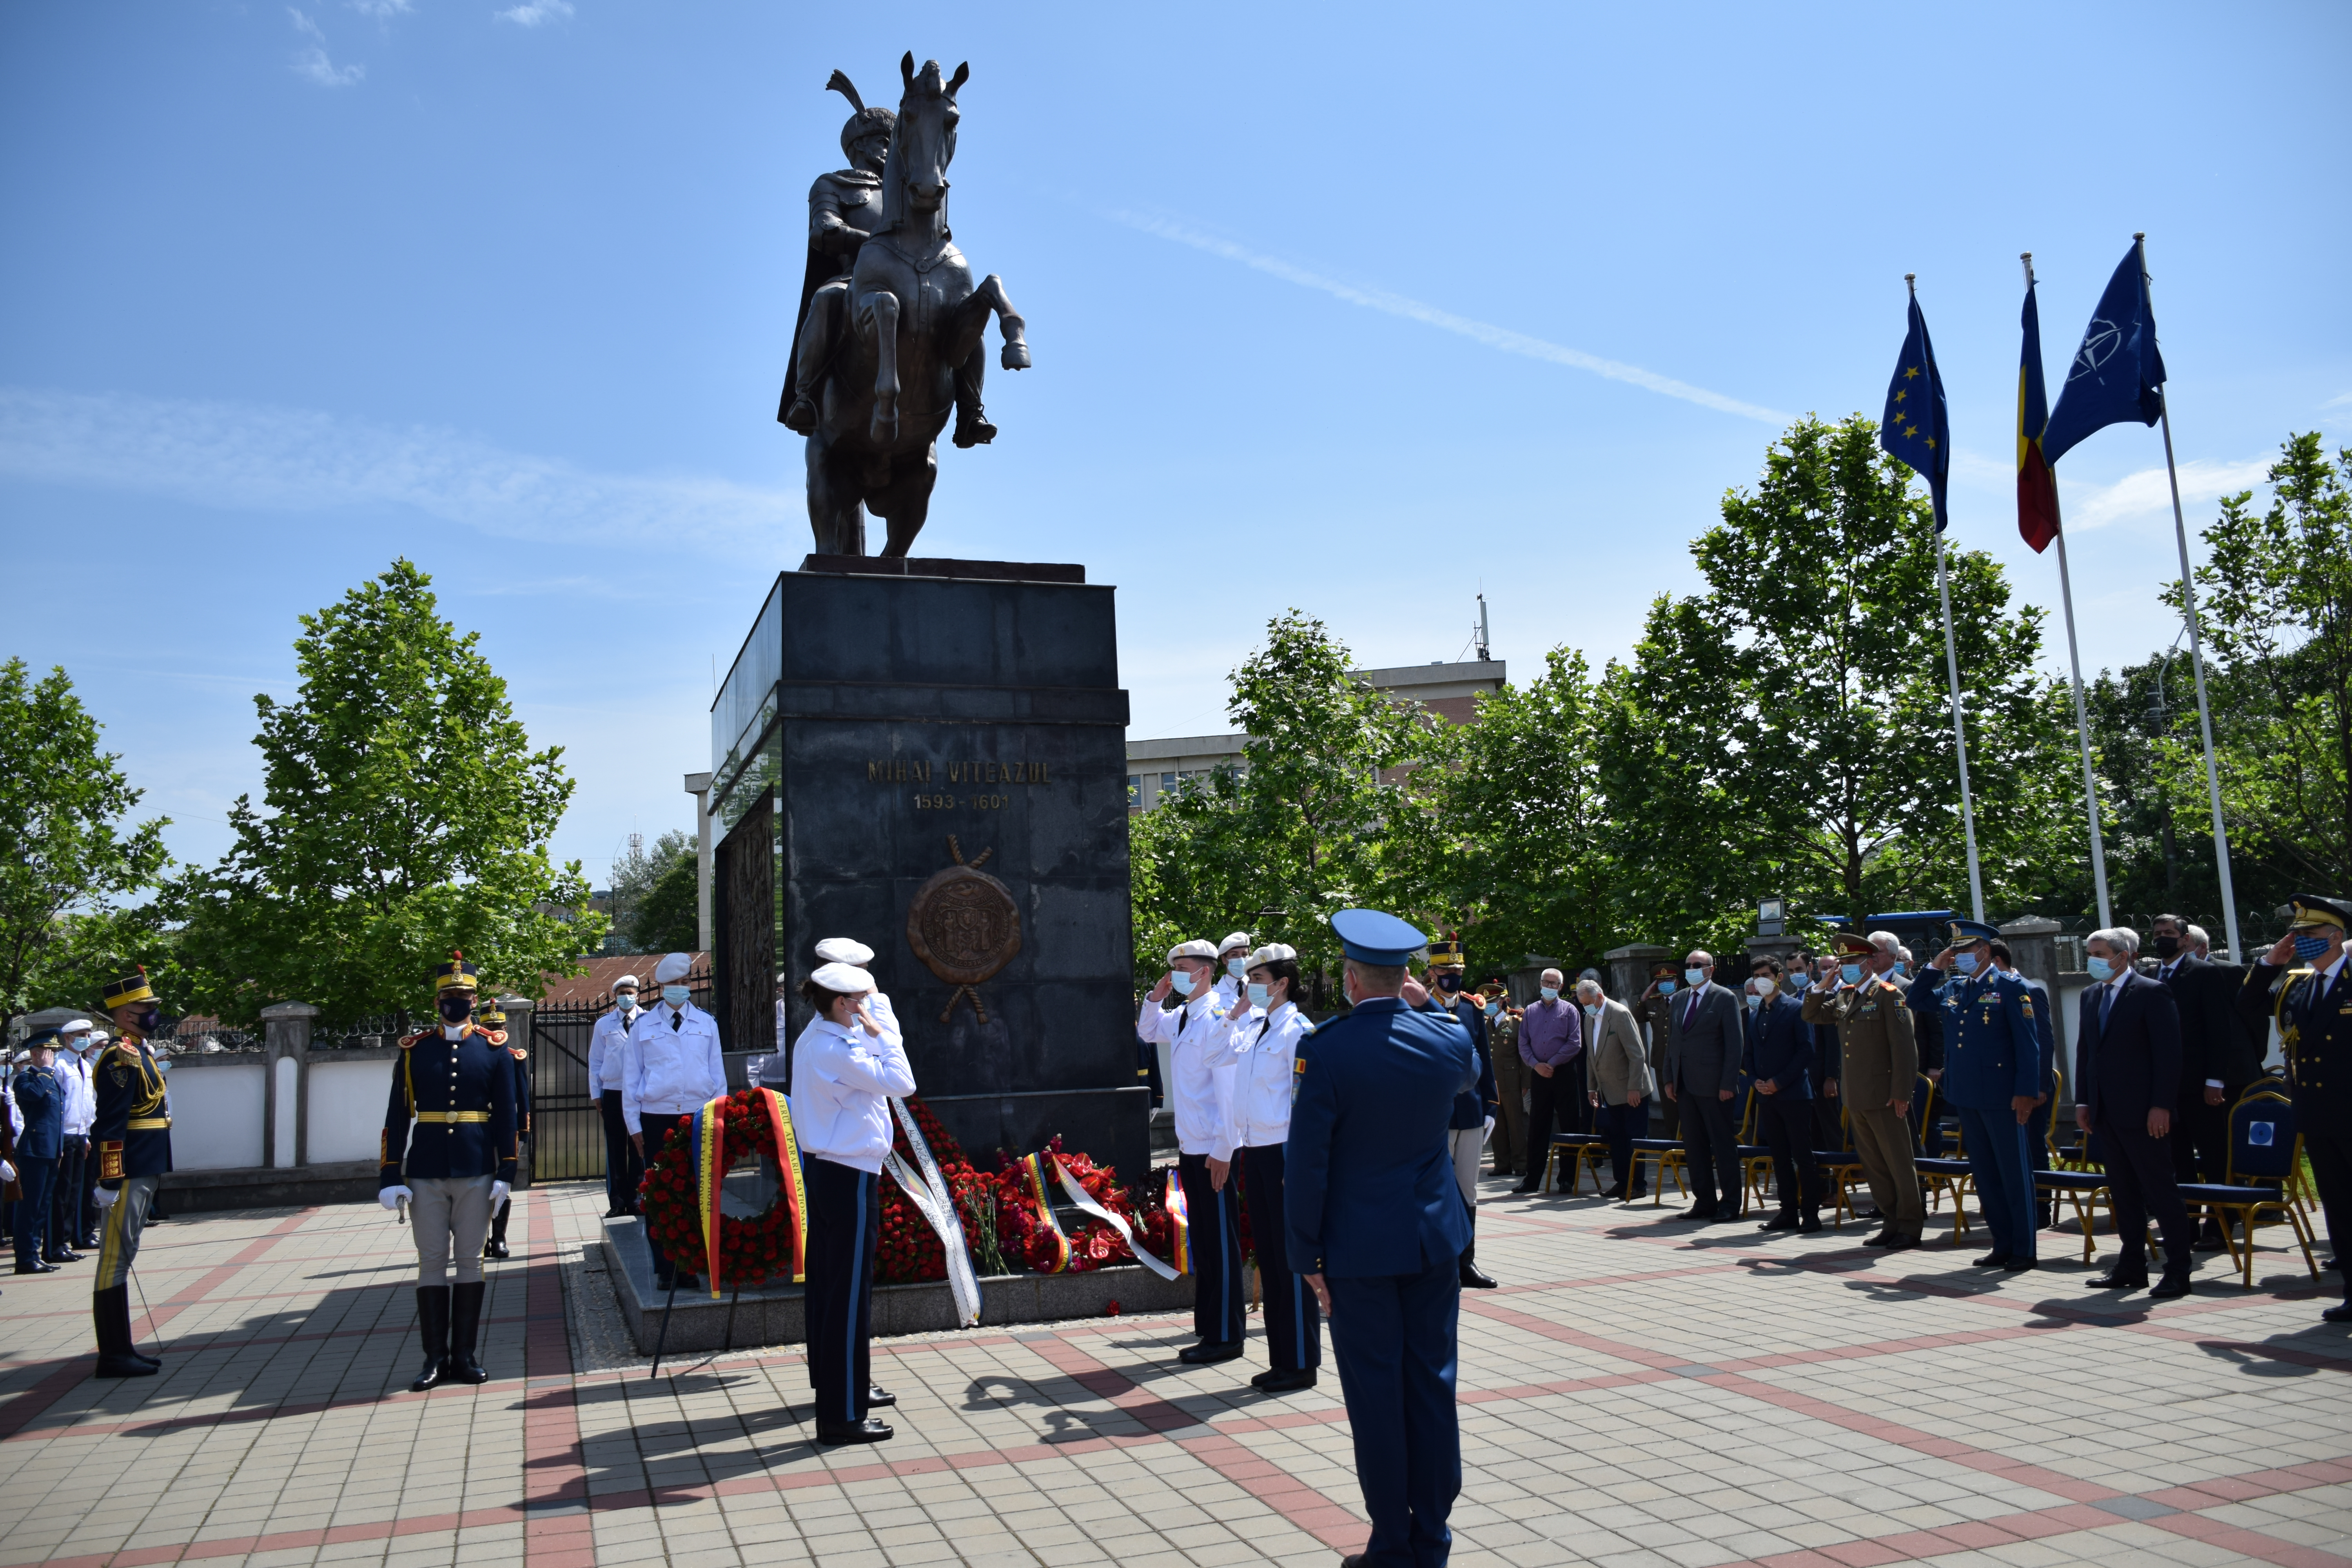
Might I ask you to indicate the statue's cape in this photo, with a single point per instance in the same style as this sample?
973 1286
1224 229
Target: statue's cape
817 270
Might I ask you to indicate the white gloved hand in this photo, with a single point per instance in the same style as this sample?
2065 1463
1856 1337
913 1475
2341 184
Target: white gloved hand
499 1191
1488 1136
390 1197
7 1172
104 1196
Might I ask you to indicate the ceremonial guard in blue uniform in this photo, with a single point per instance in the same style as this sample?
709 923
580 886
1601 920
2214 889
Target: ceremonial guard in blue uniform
449 1154
2312 1009
133 1134
1377 1227
1993 1074
493 1019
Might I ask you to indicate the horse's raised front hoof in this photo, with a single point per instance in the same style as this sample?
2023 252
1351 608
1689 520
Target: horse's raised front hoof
1016 356
973 430
801 417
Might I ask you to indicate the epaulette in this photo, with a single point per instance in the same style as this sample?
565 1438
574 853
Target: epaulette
520 1053
408 1040
496 1036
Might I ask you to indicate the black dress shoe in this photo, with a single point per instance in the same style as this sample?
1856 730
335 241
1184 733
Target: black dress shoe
61 1258
2017 1265
36 1266
867 1431
1637 1194
1784 1220
1209 1352
1700 1215
1879 1238
494 1248
876 1396
1809 1225
2338 1314
117 1364
1526 1187
2172 1286
2120 1277
1900 1243
1993 1261
1279 1382
1476 1279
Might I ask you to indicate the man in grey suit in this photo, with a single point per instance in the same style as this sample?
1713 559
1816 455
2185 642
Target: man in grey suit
1703 1040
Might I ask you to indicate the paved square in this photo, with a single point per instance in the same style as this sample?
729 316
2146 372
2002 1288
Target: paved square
1638 1392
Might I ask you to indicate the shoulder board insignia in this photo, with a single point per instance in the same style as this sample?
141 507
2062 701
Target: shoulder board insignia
522 1055
496 1036
408 1040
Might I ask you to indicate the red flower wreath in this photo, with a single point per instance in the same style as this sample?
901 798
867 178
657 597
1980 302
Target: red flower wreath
751 1251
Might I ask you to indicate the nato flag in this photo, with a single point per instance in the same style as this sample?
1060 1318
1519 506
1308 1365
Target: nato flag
1917 427
2117 374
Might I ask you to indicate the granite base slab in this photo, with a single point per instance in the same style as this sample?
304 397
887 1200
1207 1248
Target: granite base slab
772 1315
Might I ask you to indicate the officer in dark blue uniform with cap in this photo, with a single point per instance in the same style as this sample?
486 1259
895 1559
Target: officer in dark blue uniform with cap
1377 1227
2311 1004
1992 1076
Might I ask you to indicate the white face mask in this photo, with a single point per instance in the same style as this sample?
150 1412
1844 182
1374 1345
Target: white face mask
676 996
1181 982
1236 967
627 999
1260 995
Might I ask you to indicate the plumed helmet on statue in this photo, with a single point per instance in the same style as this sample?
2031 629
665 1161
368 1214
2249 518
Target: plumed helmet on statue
845 950
845 978
673 966
865 121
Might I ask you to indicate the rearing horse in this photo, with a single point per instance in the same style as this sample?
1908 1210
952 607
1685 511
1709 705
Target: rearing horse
913 347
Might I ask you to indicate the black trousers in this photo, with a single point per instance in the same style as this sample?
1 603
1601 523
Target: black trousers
2140 1179
1216 1244
1294 1324
623 1169
1562 1095
65 1198
658 1128
1623 1123
2328 1147
845 1228
1788 1126
1711 1149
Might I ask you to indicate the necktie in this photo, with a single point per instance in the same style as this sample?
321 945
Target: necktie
2106 1000
1690 1012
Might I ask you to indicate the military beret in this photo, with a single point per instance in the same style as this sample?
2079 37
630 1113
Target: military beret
1273 952
845 978
844 949
673 966
1194 948
1240 939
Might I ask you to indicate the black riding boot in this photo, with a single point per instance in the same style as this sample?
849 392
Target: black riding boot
496 1247
464 1327
433 1328
109 1312
1472 1279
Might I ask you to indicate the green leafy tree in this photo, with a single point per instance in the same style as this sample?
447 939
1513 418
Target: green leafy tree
669 918
73 859
404 814
1787 731
635 877
2276 607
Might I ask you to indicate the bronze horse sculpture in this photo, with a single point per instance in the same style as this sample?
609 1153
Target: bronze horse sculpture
885 355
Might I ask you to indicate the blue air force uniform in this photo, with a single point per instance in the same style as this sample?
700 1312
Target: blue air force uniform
2312 1009
1993 1054
1371 1207
133 1134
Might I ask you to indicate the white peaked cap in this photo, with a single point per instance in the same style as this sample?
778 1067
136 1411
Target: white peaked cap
1272 952
673 966
1196 949
845 978
1239 939
73 1025
625 980
845 950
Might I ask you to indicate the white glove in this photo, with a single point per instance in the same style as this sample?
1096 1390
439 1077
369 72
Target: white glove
104 1196
499 1191
391 1197
7 1172
1488 1136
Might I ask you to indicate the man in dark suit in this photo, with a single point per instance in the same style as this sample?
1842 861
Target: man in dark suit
1780 1061
1705 1039
1377 1227
2127 1068
2216 1060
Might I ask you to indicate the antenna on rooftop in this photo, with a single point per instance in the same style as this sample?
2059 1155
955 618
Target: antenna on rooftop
1484 655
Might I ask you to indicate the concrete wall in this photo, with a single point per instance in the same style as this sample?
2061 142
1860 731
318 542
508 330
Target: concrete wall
217 1111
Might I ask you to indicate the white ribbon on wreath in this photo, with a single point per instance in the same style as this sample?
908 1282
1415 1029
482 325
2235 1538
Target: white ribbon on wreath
928 1191
1084 1202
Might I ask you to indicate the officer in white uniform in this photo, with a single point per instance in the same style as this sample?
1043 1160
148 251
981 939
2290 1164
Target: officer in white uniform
67 1211
1201 1055
776 1071
846 1065
670 1067
623 1169
1266 1035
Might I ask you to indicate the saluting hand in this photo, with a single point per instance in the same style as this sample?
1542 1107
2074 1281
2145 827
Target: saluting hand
2282 953
1160 992
1415 993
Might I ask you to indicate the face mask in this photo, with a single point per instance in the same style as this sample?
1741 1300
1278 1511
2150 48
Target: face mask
676 996
2307 948
2101 969
1850 972
1755 999
1449 983
627 999
1966 963
1260 995
1552 993
2166 946
1666 987
1237 967
1493 1008
1182 981
456 1009
1694 978
153 1018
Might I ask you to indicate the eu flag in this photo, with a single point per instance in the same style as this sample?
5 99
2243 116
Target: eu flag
1916 427
2037 487
2117 374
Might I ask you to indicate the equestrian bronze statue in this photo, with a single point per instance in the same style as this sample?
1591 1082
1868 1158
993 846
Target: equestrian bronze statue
889 340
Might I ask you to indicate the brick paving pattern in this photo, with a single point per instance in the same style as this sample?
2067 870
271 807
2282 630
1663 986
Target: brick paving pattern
1638 1392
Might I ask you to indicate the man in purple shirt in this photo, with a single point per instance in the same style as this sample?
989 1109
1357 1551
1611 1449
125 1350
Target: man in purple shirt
1551 1043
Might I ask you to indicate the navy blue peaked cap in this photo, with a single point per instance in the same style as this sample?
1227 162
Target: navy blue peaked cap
1369 936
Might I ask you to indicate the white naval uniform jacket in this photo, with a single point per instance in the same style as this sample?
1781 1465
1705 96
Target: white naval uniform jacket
1266 1056
1201 1075
604 1048
666 1071
842 1083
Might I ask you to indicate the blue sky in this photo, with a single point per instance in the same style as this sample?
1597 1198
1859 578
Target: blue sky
1354 308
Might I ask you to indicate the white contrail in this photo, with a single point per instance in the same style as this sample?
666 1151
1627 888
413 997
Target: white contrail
1494 337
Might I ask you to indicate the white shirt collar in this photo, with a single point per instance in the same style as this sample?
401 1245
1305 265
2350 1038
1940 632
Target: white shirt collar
2327 975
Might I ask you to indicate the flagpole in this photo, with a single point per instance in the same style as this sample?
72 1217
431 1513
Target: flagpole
2082 718
2196 653
1952 669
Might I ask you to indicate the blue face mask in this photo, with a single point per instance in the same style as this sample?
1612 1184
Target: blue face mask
1236 967
1493 1008
2307 948
1259 995
1966 963
1182 981
1666 987
1552 993
1694 978
2101 969
1851 972
676 996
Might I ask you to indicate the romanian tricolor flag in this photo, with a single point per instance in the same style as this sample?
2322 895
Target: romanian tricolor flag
1174 1204
2037 484
1033 1167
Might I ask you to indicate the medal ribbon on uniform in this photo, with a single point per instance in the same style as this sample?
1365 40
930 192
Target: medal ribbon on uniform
707 1139
928 1191
792 1190
1084 1202
1174 1204
1033 1167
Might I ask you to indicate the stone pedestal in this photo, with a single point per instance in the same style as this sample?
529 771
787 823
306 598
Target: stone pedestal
1628 968
930 757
